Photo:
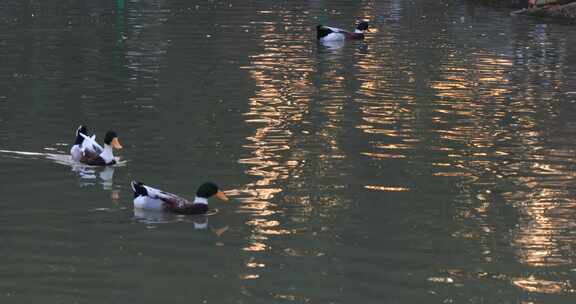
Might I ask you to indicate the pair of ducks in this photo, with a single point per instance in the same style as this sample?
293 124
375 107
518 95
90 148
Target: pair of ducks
87 151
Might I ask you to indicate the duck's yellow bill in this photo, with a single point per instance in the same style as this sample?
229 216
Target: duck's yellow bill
116 144
221 196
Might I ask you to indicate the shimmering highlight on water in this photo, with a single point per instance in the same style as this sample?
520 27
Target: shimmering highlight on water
431 163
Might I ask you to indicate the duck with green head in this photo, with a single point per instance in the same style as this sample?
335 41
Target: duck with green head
149 198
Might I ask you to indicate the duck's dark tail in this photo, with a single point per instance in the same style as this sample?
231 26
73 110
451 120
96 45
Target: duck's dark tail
322 31
139 189
79 139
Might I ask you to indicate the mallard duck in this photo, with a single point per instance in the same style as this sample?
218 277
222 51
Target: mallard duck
148 198
328 33
80 144
95 155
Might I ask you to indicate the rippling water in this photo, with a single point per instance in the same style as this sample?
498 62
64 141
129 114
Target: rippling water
432 162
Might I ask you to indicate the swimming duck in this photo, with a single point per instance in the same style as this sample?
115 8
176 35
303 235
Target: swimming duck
80 144
95 155
148 198
327 33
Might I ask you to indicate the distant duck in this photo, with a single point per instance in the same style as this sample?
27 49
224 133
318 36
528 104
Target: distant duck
327 33
79 143
95 155
148 198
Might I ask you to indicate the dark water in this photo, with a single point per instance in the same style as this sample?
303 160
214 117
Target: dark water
432 163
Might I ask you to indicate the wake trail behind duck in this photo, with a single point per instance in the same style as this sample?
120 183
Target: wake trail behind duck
62 159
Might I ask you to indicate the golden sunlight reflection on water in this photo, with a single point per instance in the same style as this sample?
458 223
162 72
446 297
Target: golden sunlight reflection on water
484 133
471 126
534 285
295 136
432 162
278 103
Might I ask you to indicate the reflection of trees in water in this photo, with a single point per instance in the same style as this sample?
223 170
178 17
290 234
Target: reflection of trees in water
488 120
61 52
298 109
510 137
481 111
296 158
509 140
279 106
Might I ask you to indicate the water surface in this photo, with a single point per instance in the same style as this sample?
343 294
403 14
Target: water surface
431 163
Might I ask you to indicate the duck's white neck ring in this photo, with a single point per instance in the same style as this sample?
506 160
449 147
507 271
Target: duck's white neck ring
200 200
107 155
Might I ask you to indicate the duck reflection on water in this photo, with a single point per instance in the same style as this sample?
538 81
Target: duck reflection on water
91 176
88 175
153 217
332 45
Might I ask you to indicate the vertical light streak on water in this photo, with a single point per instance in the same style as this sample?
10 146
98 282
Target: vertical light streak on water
431 163
496 134
296 157
481 133
387 108
280 102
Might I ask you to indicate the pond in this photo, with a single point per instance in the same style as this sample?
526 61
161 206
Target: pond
432 162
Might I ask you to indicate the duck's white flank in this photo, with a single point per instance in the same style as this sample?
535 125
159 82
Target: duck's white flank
148 203
333 37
